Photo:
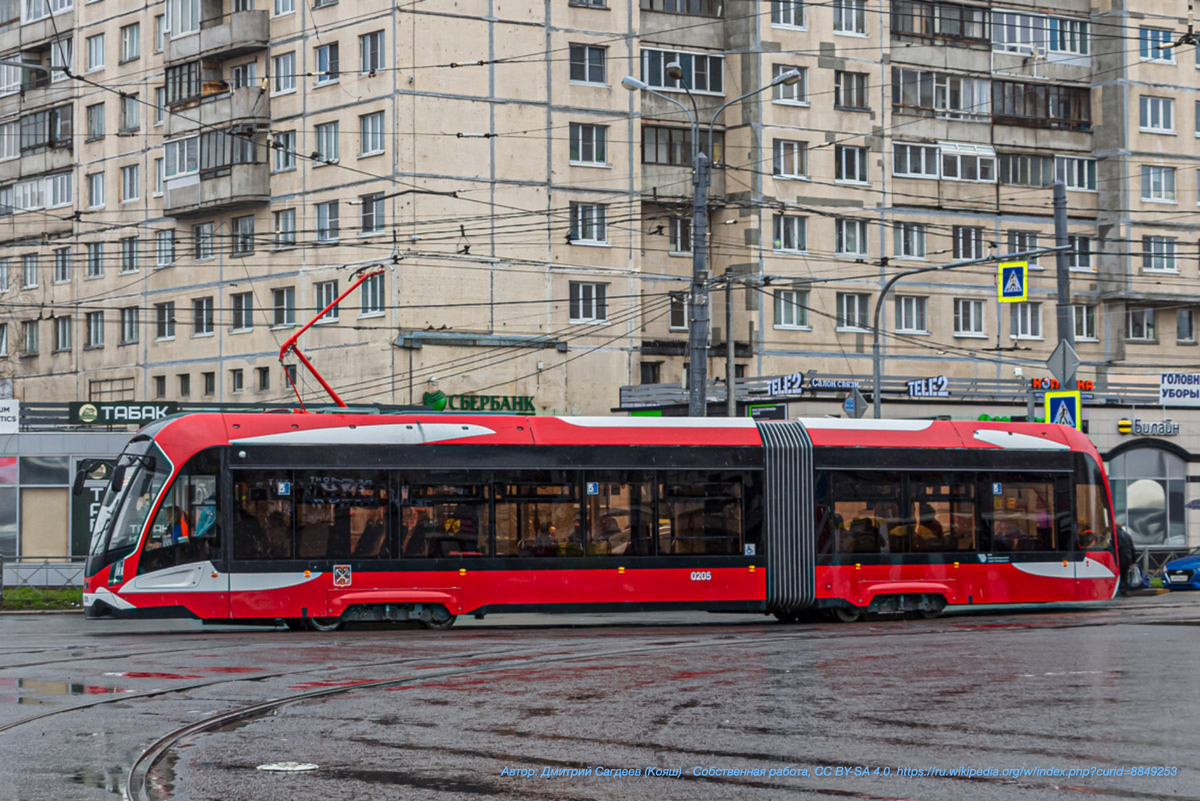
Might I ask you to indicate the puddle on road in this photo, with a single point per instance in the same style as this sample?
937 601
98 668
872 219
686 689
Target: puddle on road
143 675
110 779
26 691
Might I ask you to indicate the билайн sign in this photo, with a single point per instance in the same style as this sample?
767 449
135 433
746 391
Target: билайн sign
440 401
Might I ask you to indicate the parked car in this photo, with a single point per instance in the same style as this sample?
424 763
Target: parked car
1183 573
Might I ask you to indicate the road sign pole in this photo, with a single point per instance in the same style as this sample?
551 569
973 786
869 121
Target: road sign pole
1066 328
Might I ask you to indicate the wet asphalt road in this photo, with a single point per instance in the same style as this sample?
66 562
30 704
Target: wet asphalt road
1061 690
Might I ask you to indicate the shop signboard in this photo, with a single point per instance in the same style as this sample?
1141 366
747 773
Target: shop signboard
117 413
86 506
1179 389
10 416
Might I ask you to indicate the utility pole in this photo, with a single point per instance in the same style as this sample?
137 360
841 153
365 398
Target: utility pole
698 332
730 370
1066 328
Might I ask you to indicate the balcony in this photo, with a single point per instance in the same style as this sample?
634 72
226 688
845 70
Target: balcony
247 106
233 187
232 35
37 225
37 162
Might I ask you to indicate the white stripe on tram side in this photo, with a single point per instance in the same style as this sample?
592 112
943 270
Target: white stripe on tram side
383 434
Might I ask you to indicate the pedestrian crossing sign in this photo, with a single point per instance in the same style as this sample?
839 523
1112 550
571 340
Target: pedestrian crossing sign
1014 281
1064 408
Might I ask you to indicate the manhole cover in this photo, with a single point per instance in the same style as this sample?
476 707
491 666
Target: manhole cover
288 767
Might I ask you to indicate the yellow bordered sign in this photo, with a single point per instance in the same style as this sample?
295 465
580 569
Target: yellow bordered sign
1065 408
1014 281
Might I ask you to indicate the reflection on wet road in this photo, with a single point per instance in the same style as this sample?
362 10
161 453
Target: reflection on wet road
979 707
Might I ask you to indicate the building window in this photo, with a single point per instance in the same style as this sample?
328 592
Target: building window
1076 173
938 20
851 238
701 71
651 372
791 308
130 325
210 384
241 76
160 104
681 235
95 187
588 302
914 161
4 275
372 213
674 146
202 241
62 265
1151 45
95 259
327 142
1040 105
243 236
850 164
327 64
371 53
243 311
968 318
326 293
1020 241
962 162
95 52
588 64
164 250
29 338
941 95
850 16
912 314
237 380
588 224
129 254
791 233
788 14
372 296
29 269
131 42
1020 170
677 316
968 242
284 7
796 93
202 316
327 221
1185 325
158 177
1158 254
284 145
1079 257
283 307
910 240
94 119
130 183
164 321
1158 184
160 386
850 90
283 69
370 134
264 379
3 339
1026 321
10 141
1157 114
94 330
185 385
852 311
285 227
588 144
1140 324
62 334
1084 320
790 159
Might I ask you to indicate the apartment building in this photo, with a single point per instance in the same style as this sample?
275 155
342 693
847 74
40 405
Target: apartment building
206 175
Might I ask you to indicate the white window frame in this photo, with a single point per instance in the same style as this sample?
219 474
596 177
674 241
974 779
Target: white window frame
790 233
1149 323
283 73
587 51
282 7
372 297
324 293
131 41
850 18
204 241
1191 317
241 312
284 146
909 240
905 156
1025 320
327 60
969 321
131 183
1160 254
981 159
1023 240
62 265
680 230
371 136
850 165
181 157
588 138
853 311
285 228
203 317
94 325
130 325
62 333
588 302
1086 315
858 230
327 148
791 310
695 64
969 242
129 254
789 14
1155 42
371 53
794 95
94 53
1079 174
912 314
1079 257
789 159
95 187
164 247
1156 115
589 224
1158 184
328 217
283 307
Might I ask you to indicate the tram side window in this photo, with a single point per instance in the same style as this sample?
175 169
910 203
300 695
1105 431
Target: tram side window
620 514
341 514
539 515
444 516
866 515
185 529
941 508
1093 524
1023 515
700 513
262 514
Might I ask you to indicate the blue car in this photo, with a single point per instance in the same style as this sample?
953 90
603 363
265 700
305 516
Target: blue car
1183 573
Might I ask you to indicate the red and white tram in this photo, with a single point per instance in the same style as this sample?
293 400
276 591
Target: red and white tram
319 519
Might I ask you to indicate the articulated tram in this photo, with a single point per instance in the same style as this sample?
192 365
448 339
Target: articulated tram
321 519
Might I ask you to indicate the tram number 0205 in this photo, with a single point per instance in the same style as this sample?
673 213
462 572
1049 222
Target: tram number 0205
701 575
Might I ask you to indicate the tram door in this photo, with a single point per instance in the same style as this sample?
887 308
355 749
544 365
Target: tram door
1030 555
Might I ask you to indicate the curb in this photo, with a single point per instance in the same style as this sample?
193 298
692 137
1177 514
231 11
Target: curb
76 610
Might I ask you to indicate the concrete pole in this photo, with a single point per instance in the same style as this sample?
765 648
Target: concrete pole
730 370
1066 328
698 333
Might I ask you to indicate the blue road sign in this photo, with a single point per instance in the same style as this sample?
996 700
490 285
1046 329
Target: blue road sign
1014 281
1064 408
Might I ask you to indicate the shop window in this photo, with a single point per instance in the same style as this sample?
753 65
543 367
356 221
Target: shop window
1149 487
444 516
341 515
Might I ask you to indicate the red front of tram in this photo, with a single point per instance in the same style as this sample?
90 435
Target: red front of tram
318 519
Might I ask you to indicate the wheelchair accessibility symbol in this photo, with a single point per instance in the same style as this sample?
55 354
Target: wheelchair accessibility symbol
341 575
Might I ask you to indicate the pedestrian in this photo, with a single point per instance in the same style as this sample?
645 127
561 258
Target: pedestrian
1126 556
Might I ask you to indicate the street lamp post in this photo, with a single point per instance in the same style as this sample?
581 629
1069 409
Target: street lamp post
701 178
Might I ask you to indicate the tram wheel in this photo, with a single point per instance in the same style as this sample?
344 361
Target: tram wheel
295 624
787 617
930 614
325 623
847 614
441 619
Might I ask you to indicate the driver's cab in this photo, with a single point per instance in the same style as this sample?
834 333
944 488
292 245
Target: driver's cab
185 529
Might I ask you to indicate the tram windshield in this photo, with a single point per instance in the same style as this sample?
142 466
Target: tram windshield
124 510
